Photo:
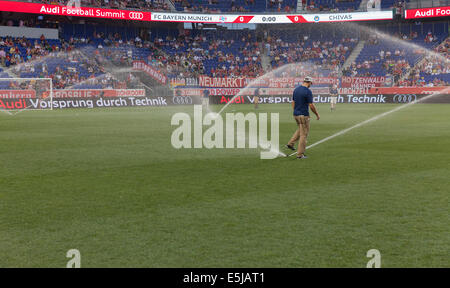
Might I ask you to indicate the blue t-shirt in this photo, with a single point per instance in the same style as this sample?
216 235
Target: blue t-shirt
302 98
205 93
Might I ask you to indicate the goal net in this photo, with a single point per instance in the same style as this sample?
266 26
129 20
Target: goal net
18 94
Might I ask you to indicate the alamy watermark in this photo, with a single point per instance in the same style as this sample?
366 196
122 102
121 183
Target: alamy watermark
75 258
375 261
213 131
75 261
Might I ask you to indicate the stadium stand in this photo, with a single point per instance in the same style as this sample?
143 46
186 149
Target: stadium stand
221 6
326 54
388 4
393 58
332 5
231 53
431 71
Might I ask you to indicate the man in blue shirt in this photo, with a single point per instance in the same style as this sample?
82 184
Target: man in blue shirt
302 100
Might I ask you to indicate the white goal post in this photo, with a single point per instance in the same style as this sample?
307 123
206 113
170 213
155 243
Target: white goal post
19 94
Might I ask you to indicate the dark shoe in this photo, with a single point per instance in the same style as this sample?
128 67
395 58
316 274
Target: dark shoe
290 147
302 157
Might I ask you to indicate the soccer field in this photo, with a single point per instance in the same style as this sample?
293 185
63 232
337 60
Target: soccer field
110 184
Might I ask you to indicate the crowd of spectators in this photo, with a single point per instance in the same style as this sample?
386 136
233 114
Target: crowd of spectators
211 6
19 50
33 22
415 80
392 60
435 64
392 63
331 6
398 4
326 56
281 6
33 57
188 56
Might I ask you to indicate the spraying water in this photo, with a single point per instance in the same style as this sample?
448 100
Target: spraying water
308 66
283 70
408 47
377 117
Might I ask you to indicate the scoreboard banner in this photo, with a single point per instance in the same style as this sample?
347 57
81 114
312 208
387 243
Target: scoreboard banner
136 15
427 12
271 19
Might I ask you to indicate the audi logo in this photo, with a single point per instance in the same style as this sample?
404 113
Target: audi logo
182 100
404 98
136 15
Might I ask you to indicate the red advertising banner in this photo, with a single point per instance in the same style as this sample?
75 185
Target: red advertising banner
188 92
285 82
213 91
205 81
243 91
198 92
12 94
292 82
92 93
174 82
37 8
150 71
407 90
428 12
84 93
362 82
353 90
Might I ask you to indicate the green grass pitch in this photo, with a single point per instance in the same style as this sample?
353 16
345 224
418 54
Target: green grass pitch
109 183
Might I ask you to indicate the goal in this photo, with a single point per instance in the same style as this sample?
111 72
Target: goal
19 94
